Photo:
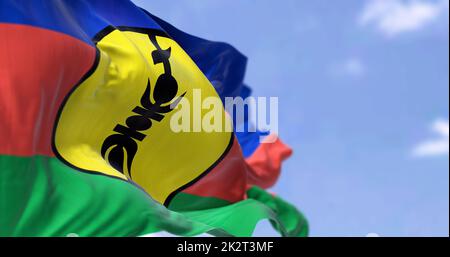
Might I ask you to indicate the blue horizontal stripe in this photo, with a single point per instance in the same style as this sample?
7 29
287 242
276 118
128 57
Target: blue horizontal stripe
82 19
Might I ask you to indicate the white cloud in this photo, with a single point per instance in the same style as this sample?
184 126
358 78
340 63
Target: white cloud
351 67
354 67
438 146
393 17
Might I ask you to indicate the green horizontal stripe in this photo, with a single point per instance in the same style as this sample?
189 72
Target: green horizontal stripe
293 222
286 218
40 196
179 203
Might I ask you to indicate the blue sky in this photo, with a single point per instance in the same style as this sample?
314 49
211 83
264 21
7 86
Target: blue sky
363 90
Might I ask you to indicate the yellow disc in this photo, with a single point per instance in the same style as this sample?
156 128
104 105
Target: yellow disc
163 161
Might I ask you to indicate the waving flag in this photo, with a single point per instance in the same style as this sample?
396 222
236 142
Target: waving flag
87 92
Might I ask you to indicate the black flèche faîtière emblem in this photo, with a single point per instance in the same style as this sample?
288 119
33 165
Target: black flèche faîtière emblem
124 143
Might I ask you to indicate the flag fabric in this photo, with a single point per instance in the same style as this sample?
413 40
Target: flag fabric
87 94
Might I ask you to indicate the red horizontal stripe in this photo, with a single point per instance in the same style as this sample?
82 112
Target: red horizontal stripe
265 163
227 181
230 179
38 68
